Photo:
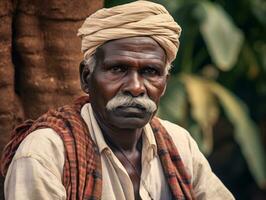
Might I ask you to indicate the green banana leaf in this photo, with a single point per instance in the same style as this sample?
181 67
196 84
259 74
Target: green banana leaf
223 39
204 108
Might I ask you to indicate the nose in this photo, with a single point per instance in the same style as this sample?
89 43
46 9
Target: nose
134 85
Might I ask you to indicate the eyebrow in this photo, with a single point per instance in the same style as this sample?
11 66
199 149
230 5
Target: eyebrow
129 61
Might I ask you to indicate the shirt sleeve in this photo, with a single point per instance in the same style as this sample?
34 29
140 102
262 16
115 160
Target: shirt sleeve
36 169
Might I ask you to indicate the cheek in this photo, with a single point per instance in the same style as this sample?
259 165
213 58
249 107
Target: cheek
103 89
156 89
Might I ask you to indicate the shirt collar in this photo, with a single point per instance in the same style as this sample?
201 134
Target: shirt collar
150 139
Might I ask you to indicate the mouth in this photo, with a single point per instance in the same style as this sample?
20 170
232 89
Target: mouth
135 106
131 111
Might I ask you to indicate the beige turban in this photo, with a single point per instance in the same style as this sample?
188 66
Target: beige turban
139 18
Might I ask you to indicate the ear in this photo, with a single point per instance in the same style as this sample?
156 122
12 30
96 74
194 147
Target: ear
84 73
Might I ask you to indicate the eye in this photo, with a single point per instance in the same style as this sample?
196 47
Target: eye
118 69
150 71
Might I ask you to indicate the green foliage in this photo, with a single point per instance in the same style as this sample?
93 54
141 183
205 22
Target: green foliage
223 39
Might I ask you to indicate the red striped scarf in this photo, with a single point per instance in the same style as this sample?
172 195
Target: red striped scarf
82 177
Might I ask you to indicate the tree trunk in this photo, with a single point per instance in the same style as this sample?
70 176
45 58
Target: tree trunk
39 57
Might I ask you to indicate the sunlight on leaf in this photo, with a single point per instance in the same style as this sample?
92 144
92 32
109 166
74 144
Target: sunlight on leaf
222 37
204 108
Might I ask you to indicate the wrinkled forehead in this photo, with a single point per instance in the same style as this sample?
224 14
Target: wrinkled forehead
134 47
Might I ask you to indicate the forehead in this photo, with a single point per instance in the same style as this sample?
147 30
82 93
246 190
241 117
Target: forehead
133 49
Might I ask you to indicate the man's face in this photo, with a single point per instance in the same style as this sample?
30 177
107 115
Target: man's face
127 82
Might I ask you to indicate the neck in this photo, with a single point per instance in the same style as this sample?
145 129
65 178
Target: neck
126 139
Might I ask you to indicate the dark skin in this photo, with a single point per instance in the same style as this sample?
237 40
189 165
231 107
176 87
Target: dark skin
134 66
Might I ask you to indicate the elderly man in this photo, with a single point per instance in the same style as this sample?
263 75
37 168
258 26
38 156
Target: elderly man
109 145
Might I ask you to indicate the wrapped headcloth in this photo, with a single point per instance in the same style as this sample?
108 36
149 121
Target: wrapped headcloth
139 18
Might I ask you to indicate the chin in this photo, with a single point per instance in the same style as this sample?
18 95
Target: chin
132 124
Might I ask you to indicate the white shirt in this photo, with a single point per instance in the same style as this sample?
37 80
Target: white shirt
37 167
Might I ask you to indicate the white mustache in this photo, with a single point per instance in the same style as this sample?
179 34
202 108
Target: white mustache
122 100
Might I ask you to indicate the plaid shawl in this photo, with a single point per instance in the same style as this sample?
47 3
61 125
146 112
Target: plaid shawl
82 176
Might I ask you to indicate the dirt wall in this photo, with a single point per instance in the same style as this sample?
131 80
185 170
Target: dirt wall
39 56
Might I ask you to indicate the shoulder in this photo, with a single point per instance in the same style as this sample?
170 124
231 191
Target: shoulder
37 167
181 137
172 127
45 146
183 142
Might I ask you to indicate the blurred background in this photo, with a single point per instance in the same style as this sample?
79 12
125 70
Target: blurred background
217 88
